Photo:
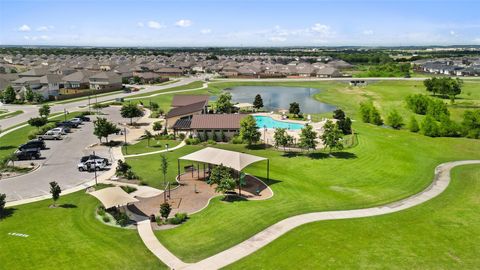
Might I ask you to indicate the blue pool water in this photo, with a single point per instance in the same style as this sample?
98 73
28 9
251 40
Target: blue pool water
268 122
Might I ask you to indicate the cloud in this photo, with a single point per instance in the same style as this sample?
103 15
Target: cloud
368 32
453 33
183 23
24 28
44 28
206 31
35 38
140 24
155 25
322 29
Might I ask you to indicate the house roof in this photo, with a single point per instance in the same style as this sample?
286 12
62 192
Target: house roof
183 100
231 159
188 109
79 76
216 121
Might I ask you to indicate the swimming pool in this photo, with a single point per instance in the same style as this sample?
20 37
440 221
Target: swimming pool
268 122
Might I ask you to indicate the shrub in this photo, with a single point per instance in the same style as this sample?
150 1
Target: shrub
471 124
106 219
438 109
121 218
448 128
128 189
430 127
211 142
101 211
413 125
154 115
181 136
418 103
157 126
192 141
236 140
178 218
395 120
370 114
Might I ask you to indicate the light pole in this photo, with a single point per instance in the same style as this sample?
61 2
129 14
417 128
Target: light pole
65 114
166 146
264 136
125 138
95 168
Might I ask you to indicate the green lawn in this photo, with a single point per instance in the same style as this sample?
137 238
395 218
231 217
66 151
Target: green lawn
155 145
69 237
7 114
441 234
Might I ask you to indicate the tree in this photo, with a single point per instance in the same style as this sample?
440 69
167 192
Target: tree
2 203
154 106
282 138
258 102
55 190
249 130
375 117
456 89
430 85
131 110
224 103
413 125
165 210
227 184
437 109
365 109
418 103
307 138
148 135
448 128
294 108
339 114
395 120
332 136
103 128
37 122
164 168
471 124
122 168
44 111
38 98
29 94
157 126
345 125
430 126
9 95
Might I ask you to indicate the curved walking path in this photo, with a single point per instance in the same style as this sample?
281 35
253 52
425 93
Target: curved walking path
180 145
261 239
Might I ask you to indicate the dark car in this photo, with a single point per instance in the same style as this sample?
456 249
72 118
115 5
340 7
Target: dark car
27 154
84 118
33 144
67 125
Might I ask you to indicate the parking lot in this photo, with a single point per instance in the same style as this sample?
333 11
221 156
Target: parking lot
59 163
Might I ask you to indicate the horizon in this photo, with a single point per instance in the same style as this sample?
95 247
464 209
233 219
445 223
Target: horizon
274 24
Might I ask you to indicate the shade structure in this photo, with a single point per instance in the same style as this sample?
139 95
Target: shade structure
231 159
113 197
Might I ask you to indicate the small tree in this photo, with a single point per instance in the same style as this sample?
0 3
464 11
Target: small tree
103 128
148 135
224 103
413 125
2 203
157 126
294 108
131 110
29 94
395 120
227 184
249 130
375 117
55 190
165 210
258 102
122 168
471 124
430 126
282 138
9 95
44 111
37 122
332 136
154 106
164 168
338 114
308 138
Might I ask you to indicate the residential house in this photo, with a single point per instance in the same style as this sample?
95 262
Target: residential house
105 81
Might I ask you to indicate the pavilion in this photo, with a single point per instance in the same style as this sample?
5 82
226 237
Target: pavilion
231 159
113 197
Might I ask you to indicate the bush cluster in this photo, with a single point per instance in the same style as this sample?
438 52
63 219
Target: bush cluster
422 104
370 114
178 218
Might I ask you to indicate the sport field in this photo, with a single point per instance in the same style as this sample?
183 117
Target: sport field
155 145
440 234
69 237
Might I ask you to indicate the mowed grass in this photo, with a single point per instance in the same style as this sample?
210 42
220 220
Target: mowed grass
69 237
440 234
386 166
7 114
143 147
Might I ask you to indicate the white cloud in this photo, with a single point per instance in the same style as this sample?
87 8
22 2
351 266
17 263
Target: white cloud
26 37
368 32
44 28
321 29
453 33
155 25
35 38
183 23
24 28
206 31
140 24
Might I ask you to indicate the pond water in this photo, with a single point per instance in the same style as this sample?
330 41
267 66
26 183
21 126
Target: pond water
280 97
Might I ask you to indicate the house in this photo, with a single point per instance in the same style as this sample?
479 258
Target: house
34 72
105 81
327 72
47 85
169 72
204 126
184 107
77 80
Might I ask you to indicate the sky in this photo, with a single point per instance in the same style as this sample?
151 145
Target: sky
239 23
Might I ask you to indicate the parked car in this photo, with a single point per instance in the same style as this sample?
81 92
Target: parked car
51 135
92 157
27 154
33 144
91 165
77 121
84 118
61 130
69 124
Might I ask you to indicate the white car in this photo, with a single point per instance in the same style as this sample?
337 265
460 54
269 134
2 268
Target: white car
91 165
59 130
51 135
76 120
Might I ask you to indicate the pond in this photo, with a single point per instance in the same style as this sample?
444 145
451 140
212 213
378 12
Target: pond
280 97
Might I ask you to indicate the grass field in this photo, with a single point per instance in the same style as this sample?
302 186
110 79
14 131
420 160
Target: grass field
8 114
69 237
440 234
155 145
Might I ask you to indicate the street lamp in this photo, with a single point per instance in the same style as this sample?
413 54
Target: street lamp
95 168
125 138
166 146
264 136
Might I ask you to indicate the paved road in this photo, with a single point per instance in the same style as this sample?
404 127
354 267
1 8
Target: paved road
32 110
59 162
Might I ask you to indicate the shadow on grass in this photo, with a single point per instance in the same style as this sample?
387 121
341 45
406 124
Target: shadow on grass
231 198
7 212
320 155
67 205
258 147
7 147
270 181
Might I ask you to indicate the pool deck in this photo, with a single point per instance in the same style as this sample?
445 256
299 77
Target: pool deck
268 134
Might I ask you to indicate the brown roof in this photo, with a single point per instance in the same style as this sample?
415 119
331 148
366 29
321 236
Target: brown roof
217 121
188 109
183 100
